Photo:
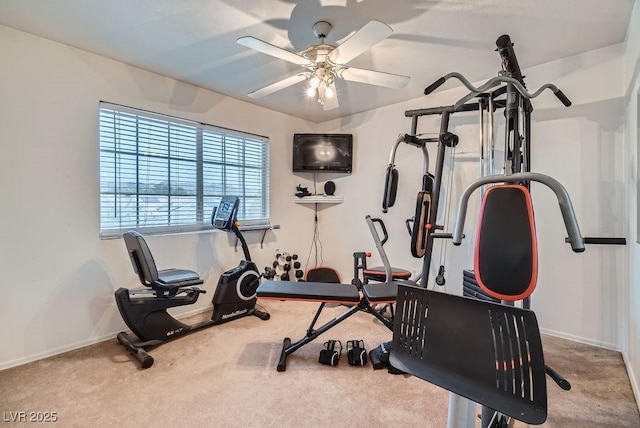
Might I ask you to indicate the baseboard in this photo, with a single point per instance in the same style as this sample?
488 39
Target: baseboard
94 340
599 344
109 336
632 379
56 351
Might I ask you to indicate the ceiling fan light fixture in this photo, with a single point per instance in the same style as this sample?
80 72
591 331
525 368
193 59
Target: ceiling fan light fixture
325 63
311 92
328 92
314 82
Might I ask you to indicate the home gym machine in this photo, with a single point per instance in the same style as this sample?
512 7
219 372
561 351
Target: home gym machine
492 353
145 310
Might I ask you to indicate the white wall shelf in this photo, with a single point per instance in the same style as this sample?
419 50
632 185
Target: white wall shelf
319 199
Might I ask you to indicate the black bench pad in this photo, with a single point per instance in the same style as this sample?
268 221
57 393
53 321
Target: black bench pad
309 291
382 292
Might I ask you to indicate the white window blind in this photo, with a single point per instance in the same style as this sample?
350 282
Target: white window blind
161 174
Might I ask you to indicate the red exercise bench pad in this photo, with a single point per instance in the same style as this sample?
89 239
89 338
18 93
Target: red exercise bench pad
506 254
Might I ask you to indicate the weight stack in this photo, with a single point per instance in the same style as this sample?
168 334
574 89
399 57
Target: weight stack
470 287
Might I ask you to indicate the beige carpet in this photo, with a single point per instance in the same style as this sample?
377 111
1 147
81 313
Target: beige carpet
225 376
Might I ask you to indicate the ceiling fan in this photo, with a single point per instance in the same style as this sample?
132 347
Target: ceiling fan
324 63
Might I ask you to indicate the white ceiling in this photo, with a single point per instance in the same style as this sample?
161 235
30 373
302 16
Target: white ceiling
194 40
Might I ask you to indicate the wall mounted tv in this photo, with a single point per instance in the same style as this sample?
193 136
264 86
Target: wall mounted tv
322 152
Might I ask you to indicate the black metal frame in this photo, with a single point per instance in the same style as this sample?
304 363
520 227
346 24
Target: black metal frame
363 305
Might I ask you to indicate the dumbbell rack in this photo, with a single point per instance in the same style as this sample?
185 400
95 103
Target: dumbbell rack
283 265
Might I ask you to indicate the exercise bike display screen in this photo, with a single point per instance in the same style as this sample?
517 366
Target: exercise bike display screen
223 215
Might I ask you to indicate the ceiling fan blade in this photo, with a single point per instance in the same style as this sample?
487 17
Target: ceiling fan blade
274 87
372 33
330 103
275 51
371 77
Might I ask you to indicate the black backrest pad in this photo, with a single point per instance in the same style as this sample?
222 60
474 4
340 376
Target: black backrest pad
487 352
390 187
323 274
141 257
506 251
419 233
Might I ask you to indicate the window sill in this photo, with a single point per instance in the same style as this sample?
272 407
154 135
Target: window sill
204 229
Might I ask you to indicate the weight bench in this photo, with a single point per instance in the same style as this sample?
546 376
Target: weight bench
344 294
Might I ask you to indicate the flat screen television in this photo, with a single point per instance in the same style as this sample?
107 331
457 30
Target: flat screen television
322 152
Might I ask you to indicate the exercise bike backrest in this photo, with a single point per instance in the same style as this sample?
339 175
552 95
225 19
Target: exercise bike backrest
141 258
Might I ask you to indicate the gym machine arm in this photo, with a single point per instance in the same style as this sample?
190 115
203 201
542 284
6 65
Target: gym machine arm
566 208
379 244
491 83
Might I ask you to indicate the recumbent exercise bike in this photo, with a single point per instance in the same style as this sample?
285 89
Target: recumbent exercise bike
145 310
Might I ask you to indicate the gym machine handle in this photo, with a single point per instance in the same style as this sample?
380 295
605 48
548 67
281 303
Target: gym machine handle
435 85
495 81
602 241
566 208
557 378
384 229
562 97
409 223
380 243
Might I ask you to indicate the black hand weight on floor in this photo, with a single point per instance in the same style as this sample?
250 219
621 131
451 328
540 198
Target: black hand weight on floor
330 355
356 353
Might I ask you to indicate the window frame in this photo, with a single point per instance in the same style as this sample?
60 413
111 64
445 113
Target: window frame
205 136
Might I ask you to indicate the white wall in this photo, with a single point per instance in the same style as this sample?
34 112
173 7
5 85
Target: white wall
631 299
58 277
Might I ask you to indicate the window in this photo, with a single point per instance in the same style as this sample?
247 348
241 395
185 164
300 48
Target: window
161 174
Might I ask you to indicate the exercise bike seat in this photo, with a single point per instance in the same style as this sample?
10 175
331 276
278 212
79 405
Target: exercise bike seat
178 277
165 281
